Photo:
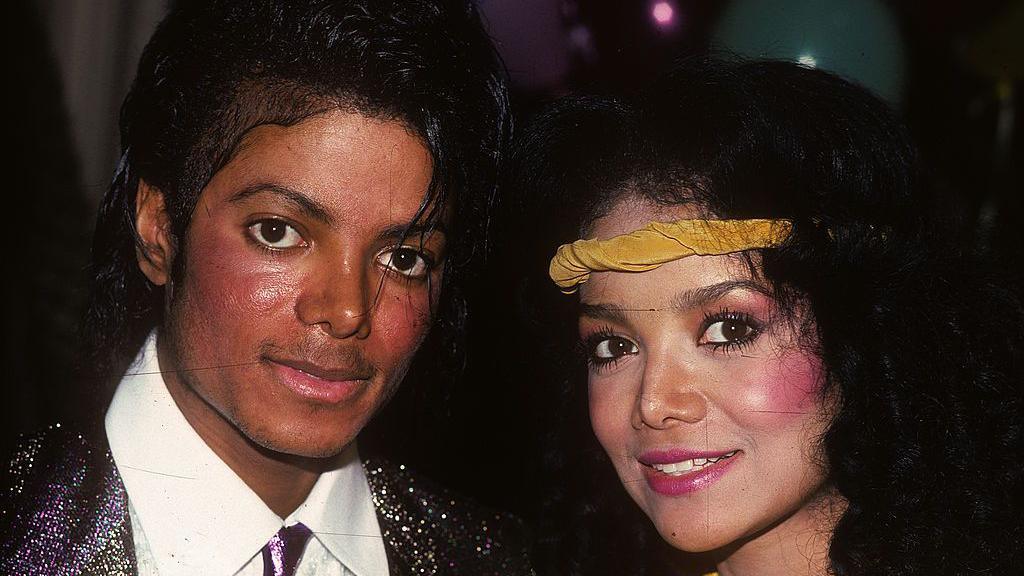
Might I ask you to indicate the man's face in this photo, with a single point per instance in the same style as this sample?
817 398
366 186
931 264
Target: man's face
300 305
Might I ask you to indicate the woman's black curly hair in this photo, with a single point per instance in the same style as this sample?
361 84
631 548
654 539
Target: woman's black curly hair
216 69
922 346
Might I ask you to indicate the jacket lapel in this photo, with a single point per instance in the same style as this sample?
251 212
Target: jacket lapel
114 552
67 512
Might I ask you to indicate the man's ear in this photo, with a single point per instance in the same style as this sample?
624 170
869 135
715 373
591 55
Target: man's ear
155 250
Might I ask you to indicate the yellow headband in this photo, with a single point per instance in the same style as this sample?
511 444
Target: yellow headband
661 242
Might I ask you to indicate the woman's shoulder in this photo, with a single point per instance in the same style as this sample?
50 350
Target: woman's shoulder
434 530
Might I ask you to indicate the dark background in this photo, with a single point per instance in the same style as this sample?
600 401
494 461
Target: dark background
71 63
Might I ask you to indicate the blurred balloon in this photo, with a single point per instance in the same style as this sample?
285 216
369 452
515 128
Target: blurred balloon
663 13
857 39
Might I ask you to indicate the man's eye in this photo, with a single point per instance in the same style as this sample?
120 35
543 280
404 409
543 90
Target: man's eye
406 261
612 348
727 331
276 233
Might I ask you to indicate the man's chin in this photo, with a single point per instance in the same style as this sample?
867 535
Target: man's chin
297 443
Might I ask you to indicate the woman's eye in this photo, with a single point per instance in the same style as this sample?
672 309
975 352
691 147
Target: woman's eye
727 331
406 261
276 234
612 348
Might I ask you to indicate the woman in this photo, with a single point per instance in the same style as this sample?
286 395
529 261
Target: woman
789 371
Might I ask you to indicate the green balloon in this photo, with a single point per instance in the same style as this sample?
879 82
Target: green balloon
856 39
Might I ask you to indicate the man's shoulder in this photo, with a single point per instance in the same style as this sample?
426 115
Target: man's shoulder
429 529
35 454
62 504
45 461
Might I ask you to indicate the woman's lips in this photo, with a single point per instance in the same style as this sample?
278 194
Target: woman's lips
678 472
312 382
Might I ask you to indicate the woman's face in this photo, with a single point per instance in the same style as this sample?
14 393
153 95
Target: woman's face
702 393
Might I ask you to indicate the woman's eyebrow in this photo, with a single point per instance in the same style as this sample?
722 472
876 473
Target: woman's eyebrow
300 201
697 297
685 300
607 312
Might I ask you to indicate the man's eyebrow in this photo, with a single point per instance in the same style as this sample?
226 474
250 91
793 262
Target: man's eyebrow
300 201
399 231
685 300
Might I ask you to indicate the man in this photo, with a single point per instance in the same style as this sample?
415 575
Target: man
299 180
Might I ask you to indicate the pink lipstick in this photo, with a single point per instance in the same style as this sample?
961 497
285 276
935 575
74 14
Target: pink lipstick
679 472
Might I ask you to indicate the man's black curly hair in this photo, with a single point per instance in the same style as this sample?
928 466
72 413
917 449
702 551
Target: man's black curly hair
921 345
216 69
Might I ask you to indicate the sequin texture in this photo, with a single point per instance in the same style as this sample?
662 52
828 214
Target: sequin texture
64 511
429 530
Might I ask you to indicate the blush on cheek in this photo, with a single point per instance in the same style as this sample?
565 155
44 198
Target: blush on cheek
235 278
414 310
402 322
266 291
787 389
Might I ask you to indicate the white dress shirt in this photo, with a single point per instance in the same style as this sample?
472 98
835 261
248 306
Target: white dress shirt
192 515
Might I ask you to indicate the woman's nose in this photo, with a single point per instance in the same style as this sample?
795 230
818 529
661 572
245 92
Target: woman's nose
668 396
338 299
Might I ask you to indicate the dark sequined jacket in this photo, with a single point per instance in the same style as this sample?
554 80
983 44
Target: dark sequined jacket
64 510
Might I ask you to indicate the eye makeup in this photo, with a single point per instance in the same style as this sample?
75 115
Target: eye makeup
727 330
723 330
604 348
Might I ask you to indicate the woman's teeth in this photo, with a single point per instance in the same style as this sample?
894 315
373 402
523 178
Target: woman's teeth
679 468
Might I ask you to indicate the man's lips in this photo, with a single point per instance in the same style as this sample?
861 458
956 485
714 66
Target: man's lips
320 384
329 374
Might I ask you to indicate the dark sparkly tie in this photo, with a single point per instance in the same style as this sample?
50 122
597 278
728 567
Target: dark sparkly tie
281 555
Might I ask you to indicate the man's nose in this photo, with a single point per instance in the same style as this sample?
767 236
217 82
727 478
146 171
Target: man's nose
669 395
338 299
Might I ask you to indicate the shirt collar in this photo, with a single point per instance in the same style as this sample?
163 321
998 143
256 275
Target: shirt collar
340 512
197 515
